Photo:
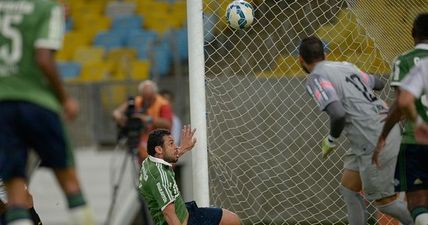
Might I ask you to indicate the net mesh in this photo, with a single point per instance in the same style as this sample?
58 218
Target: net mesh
264 131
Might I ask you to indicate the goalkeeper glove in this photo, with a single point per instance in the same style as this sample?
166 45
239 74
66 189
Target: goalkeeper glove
328 146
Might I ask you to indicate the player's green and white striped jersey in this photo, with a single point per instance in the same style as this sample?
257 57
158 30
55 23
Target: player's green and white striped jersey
401 67
24 26
158 188
416 82
3 195
344 82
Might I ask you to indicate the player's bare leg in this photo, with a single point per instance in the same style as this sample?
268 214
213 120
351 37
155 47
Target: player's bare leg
17 210
79 210
418 205
350 188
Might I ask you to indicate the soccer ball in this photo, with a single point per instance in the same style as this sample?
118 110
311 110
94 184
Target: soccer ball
239 14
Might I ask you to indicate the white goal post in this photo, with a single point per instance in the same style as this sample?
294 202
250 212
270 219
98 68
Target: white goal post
197 101
259 133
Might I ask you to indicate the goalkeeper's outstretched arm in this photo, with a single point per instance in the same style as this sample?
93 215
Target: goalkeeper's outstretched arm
336 112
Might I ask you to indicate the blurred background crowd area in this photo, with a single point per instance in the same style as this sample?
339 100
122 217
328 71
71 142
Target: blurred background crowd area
117 40
109 47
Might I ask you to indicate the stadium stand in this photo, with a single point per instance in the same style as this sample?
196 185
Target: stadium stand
345 40
117 33
69 70
88 55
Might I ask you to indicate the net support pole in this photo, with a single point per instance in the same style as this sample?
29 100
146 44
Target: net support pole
198 101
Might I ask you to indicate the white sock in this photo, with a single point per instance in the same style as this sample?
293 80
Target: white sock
422 219
357 211
398 210
82 215
21 222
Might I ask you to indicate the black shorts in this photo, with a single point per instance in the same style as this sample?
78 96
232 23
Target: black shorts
203 216
27 126
411 171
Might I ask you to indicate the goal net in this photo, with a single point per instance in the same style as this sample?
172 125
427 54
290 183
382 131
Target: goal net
264 131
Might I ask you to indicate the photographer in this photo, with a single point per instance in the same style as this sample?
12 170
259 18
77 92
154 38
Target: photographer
150 108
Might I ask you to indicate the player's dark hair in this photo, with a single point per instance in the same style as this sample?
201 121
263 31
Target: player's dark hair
311 49
420 27
156 139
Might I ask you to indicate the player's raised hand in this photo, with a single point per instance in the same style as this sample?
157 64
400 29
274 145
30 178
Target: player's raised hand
327 146
187 140
378 149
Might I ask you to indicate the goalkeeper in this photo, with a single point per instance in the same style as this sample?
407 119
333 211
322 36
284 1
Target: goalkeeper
345 93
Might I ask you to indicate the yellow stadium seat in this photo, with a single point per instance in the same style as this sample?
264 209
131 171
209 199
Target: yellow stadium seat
179 6
91 24
140 70
76 38
87 7
370 62
161 22
161 16
121 59
117 54
179 11
72 41
336 57
287 66
64 54
158 24
346 37
88 55
113 95
147 7
95 71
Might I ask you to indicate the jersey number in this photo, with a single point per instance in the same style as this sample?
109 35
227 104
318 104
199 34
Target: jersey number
356 81
10 53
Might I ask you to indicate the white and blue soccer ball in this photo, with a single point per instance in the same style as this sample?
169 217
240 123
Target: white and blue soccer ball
239 14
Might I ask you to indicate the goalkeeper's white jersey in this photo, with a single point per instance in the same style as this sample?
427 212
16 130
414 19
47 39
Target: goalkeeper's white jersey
344 82
3 196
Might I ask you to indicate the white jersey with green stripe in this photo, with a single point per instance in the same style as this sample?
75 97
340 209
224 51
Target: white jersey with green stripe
344 82
3 196
158 188
416 82
401 67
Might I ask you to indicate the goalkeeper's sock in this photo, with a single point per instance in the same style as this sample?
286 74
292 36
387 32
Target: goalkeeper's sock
18 216
398 210
420 215
82 215
357 210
